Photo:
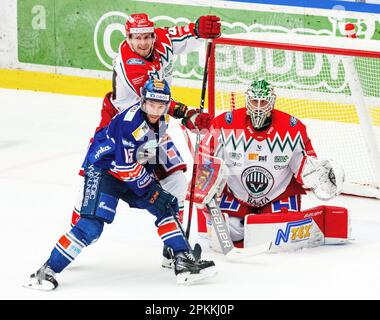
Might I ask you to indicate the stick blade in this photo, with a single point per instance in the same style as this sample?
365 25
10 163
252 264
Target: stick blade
241 253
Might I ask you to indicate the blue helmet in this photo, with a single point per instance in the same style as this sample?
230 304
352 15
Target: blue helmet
156 90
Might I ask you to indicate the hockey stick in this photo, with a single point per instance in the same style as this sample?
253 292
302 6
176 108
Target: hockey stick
197 250
198 140
224 237
188 140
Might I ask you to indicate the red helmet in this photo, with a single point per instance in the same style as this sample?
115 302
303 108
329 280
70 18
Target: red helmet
139 23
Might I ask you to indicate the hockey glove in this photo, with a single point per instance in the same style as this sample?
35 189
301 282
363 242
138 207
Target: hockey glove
207 27
193 119
324 177
161 199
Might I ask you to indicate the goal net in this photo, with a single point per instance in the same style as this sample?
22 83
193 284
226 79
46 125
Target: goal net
332 87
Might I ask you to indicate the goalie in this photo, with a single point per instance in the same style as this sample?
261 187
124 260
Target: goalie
270 161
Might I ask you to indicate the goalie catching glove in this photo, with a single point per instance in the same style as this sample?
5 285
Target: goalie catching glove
324 177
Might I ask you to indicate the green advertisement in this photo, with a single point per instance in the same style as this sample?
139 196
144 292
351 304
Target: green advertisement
86 34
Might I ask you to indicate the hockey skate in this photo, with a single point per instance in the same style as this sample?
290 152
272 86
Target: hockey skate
168 260
43 279
189 270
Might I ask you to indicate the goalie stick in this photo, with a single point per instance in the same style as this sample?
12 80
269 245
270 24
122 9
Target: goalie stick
201 106
224 238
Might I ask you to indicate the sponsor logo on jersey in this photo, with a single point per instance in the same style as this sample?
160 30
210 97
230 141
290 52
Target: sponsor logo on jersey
236 164
236 155
257 157
168 70
295 231
258 181
141 131
281 159
131 112
259 147
135 61
280 167
101 150
228 117
253 156
91 187
293 121
144 181
139 80
127 144
258 203
102 205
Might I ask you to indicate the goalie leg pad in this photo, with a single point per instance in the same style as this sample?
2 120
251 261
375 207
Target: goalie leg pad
289 231
313 227
337 225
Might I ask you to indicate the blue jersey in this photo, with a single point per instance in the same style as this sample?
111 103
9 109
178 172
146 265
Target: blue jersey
129 147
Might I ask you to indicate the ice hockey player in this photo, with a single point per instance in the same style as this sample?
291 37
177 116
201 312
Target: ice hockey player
120 164
270 161
148 52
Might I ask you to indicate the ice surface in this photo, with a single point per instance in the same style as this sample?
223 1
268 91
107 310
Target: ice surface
43 138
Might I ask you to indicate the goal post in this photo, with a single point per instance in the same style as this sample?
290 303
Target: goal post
329 83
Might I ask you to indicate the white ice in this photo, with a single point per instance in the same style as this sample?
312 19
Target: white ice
43 138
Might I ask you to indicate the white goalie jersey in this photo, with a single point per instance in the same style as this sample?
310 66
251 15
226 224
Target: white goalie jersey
262 164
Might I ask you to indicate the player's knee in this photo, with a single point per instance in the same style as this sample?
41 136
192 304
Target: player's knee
88 230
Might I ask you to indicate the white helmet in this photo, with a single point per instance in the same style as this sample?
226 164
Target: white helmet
260 100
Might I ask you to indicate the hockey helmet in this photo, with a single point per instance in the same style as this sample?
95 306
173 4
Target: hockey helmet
260 100
139 23
156 90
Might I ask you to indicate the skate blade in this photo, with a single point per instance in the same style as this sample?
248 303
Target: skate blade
167 264
34 284
189 278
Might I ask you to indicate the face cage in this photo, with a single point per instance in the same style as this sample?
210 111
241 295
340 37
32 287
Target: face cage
259 115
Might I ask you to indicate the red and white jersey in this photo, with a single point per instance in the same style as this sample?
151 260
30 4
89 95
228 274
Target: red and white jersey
261 164
132 70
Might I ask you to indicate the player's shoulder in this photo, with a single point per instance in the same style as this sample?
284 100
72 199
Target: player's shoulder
162 38
132 122
131 118
231 118
161 32
286 120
